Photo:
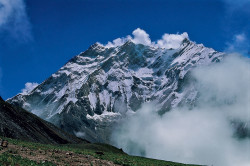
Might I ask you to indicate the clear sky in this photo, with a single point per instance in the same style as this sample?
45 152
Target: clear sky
37 37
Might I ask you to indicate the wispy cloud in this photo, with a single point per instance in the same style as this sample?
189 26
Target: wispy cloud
233 4
14 21
240 43
237 18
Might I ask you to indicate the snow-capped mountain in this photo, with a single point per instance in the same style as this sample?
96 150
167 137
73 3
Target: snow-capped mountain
104 83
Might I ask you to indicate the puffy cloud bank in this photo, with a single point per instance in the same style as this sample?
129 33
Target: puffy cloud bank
29 86
14 20
141 37
205 135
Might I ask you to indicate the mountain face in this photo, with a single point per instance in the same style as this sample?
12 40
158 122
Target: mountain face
103 84
18 123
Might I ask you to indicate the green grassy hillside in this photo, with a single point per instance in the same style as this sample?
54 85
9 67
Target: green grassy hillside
28 153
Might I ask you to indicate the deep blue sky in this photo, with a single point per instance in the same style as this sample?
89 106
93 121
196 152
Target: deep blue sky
61 29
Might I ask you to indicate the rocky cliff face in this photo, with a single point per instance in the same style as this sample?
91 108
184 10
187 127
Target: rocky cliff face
103 84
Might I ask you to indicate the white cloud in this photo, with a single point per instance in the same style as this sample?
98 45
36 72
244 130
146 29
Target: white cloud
204 135
171 40
29 86
14 20
142 37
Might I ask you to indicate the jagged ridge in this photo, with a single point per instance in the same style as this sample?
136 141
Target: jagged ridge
101 85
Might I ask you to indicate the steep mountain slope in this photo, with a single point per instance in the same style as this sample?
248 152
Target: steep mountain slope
101 85
20 124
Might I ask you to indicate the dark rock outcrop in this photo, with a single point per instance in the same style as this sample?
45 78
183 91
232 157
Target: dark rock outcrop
18 123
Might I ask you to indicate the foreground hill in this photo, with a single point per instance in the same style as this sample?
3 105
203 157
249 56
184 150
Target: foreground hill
19 124
26 153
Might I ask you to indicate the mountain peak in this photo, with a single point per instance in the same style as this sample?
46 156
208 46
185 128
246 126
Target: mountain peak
102 84
96 45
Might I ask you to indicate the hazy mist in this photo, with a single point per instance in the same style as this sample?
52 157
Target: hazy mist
204 135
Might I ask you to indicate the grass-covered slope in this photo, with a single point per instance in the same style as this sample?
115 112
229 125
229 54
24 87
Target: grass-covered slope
28 153
18 123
